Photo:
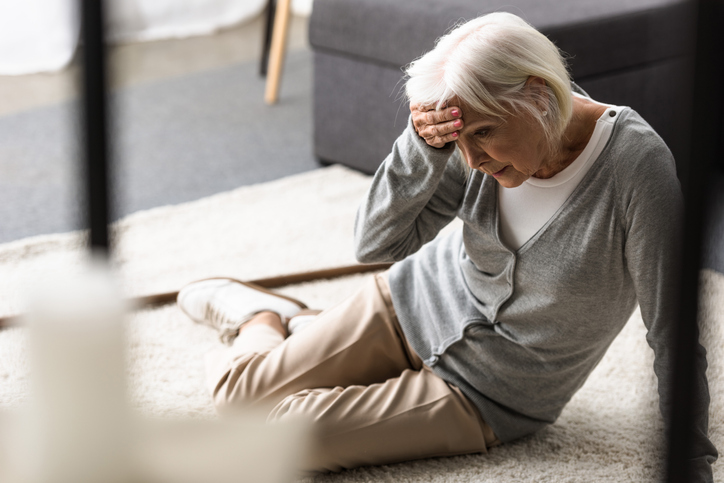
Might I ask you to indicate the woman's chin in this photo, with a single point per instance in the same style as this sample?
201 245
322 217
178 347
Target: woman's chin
509 182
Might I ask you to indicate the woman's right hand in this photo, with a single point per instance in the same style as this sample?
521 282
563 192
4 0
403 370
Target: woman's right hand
437 128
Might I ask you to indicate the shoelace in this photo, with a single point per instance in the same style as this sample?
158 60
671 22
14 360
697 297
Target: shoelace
227 328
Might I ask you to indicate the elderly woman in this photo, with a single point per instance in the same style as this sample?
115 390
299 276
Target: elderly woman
571 212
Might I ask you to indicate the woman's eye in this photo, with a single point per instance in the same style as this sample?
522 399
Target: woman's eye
482 133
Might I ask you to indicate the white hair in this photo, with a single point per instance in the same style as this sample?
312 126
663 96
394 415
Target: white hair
486 63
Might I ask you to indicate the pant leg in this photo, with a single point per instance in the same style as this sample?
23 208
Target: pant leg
415 415
358 342
353 373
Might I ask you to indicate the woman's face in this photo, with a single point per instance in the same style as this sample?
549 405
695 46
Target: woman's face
510 150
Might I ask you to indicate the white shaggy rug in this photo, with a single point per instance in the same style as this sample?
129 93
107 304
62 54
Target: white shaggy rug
608 432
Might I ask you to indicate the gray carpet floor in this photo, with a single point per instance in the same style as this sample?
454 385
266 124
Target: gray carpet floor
176 140
181 139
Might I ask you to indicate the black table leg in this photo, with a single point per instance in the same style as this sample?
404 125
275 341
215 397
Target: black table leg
94 122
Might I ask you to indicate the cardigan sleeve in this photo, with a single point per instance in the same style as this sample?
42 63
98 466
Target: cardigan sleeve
652 208
415 192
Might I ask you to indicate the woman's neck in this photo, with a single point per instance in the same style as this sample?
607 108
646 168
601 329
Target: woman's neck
576 136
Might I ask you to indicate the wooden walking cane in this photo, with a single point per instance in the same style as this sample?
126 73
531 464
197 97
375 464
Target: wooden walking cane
154 300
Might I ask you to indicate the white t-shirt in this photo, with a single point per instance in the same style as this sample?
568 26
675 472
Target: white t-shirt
526 209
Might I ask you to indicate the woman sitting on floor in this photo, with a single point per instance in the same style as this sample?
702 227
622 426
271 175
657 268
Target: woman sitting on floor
571 212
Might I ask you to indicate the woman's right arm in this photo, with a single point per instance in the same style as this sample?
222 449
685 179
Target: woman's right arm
416 192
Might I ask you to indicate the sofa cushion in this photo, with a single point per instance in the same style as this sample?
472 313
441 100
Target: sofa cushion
599 35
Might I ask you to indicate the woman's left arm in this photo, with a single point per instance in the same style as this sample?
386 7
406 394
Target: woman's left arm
653 212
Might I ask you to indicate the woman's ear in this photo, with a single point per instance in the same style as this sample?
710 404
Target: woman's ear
537 87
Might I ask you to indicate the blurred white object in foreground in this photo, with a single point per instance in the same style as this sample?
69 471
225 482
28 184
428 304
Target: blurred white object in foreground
78 421
241 450
78 428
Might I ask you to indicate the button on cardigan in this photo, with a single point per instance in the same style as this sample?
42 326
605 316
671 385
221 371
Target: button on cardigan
520 331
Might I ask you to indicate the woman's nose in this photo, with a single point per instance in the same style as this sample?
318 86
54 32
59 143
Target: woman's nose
477 158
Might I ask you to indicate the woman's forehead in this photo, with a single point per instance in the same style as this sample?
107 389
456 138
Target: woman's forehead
470 113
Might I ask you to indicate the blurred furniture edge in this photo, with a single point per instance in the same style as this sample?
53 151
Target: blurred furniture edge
636 54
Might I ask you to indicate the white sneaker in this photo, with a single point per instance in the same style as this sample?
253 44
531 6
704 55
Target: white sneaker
226 304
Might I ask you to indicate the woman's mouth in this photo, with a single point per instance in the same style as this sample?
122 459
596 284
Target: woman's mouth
499 173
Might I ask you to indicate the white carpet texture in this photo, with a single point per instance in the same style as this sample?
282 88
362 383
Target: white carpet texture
608 432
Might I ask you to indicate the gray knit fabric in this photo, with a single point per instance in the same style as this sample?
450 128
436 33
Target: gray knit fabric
519 332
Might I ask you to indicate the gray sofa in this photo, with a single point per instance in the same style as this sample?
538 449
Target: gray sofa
626 52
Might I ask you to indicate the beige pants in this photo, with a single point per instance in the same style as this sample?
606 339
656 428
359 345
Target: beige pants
352 372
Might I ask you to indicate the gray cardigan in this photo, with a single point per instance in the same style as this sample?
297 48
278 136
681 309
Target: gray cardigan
520 331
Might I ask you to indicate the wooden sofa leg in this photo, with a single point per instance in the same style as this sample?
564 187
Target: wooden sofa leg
278 47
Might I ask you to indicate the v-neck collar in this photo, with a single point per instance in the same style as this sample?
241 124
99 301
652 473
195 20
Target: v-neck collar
559 212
